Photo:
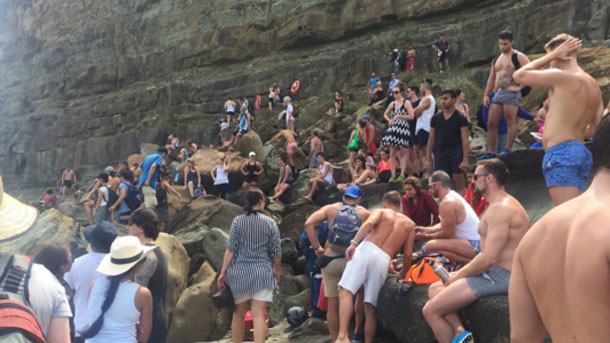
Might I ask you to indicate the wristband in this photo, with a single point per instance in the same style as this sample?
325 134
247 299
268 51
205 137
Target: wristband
354 242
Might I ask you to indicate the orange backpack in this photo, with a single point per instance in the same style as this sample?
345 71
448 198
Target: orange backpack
422 273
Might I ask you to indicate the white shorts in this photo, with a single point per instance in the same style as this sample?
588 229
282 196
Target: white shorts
369 267
263 295
150 196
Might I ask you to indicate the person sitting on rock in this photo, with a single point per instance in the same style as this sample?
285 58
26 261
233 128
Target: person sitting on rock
361 174
502 227
385 232
456 236
418 204
245 123
384 171
347 215
173 142
285 179
316 146
377 94
189 150
290 141
192 177
226 137
325 177
48 199
251 170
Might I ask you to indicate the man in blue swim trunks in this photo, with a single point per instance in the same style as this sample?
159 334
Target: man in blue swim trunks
507 94
575 111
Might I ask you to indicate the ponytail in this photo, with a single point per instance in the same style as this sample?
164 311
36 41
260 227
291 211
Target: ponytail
253 197
94 329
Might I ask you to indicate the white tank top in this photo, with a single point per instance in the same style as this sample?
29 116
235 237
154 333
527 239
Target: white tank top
121 318
329 177
230 107
467 229
222 177
423 121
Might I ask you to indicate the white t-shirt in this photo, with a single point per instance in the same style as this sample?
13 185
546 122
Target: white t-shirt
289 112
423 121
47 296
80 277
104 190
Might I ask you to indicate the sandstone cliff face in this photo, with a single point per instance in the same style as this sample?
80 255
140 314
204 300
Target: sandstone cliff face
83 83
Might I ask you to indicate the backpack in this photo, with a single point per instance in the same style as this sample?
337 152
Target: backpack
18 323
345 226
134 197
515 59
402 61
295 113
422 273
112 196
295 172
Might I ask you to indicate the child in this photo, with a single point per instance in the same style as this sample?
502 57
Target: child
225 134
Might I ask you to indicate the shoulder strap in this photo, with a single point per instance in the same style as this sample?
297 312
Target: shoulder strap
515 58
493 62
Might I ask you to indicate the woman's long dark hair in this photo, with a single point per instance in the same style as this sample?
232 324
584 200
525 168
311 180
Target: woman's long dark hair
253 197
115 281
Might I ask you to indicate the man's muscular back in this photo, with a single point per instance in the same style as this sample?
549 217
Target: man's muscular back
574 110
560 277
392 231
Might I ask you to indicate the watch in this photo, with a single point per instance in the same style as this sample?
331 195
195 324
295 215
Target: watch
354 242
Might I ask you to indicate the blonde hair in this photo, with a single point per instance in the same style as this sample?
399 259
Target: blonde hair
557 41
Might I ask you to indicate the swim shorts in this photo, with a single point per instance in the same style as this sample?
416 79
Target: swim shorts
567 165
494 281
476 245
442 56
449 160
262 295
331 274
503 97
291 147
231 113
422 138
68 184
368 268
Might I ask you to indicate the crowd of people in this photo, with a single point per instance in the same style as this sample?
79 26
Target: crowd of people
475 229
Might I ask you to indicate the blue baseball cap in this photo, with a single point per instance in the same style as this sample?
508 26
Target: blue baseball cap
366 116
353 192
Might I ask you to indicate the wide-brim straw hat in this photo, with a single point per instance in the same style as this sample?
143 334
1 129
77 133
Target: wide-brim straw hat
125 252
15 217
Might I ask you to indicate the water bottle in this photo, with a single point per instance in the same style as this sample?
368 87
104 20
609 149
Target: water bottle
439 270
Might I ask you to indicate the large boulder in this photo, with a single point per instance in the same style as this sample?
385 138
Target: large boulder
208 210
302 298
298 188
191 237
288 287
251 142
196 318
75 211
177 269
401 314
293 224
51 226
214 246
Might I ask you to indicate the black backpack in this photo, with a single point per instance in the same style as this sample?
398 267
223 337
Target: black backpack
345 226
295 172
112 196
18 323
515 59
402 61
134 198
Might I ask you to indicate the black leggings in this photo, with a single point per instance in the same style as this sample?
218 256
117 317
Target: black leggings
221 190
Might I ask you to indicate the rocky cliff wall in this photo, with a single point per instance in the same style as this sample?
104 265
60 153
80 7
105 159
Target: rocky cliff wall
83 83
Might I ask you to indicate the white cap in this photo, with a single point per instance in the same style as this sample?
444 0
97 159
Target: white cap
252 153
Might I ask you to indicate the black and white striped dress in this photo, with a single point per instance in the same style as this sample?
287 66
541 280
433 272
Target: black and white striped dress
255 240
397 135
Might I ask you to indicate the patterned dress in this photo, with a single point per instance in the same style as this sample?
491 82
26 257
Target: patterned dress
397 134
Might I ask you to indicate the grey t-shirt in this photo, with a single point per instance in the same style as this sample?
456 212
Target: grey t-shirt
47 296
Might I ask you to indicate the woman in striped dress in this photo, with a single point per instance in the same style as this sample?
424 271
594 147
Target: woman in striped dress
397 135
252 265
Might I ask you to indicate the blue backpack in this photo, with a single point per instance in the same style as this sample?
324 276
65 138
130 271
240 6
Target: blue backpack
345 225
134 197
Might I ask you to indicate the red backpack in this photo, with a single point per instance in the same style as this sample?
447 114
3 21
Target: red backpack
249 326
18 323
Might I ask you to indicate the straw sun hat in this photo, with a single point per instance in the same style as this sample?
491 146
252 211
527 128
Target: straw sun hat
125 252
15 217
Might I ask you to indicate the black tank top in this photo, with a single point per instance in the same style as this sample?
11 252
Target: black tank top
251 168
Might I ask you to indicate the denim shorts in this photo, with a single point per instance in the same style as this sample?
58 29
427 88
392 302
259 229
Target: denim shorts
503 97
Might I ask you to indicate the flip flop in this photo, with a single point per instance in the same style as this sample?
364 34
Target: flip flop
464 337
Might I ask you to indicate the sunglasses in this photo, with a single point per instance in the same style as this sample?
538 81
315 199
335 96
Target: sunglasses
396 92
476 175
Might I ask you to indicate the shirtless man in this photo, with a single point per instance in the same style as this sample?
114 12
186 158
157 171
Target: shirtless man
68 178
388 231
575 110
502 226
291 143
565 291
316 146
507 94
230 109
332 272
456 236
